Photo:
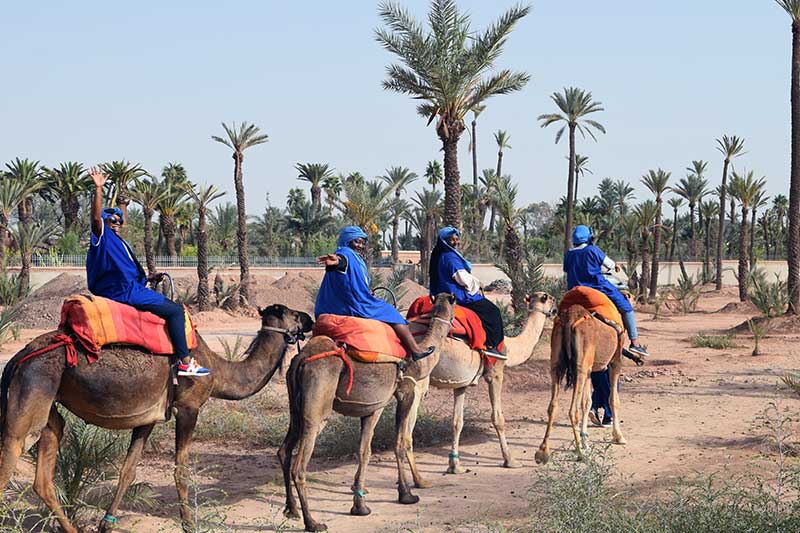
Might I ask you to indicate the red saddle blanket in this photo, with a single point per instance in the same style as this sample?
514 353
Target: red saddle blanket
593 300
370 341
465 322
99 321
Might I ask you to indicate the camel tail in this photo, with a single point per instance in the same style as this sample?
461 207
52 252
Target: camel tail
568 355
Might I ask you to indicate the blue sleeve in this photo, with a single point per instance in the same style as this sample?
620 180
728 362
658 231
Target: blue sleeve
449 265
599 255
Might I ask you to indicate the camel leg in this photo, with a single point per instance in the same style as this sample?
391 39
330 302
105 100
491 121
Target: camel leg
46 468
185 421
127 474
308 437
581 377
543 453
454 462
285 457
419 394
616 369
405 395
499 421
368 424
586 405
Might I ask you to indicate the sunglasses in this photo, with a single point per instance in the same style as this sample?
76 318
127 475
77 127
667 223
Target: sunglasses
114 220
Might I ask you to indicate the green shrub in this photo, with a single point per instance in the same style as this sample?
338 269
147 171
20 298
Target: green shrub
718 342
687 292
772 299
70 244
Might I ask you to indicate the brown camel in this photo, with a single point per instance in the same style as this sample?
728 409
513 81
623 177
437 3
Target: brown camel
127 389
459 367
318 387
581 344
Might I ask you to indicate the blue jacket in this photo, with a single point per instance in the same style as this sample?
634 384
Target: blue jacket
584 267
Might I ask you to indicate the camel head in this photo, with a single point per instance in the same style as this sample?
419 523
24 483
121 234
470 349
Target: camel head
444 305
293 324
542 303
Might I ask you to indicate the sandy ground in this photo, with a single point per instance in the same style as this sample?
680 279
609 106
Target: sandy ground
689 410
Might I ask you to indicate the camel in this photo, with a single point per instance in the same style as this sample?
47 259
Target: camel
579 345
127 389
460 366
319 386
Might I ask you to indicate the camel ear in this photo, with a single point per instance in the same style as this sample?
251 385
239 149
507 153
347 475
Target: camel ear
527 299
260 311
451 297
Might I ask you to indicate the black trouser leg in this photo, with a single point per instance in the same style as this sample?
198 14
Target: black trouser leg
491 319
173 314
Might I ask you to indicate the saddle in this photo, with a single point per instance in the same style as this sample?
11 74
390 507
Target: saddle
363 339
96 322
600 307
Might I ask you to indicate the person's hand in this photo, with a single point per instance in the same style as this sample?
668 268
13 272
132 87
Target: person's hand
98 176
158 277
329 260
616 268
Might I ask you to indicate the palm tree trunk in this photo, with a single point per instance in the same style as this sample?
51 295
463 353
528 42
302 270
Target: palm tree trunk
149 256
395 240
160 240
451 131
793 241
69 208
707 252
570 185
514 261
656 250
721 228
241 230
691 227
743 268
765 231
202 260
674 235
3 233
316 197
169 237
733 212
475 154
752 247
645 280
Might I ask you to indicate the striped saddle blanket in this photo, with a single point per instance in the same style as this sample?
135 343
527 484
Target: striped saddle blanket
98 321
368 341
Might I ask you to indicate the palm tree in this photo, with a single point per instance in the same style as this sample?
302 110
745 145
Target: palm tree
29 173
744 188
148 193
67 184
332 185
306 222
792 7
451 68
780 204
315 174
170 205
759 201
223 222
12 193
122 175
501 138
675 203
429 205
398 178
240 139
202 196
433 173
730 147
29 237
645 217
580 170
575 105
656 182
473 142
623 192
708 210
692 188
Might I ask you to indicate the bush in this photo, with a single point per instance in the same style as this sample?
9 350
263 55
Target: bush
718 342
9 288
70 244
772 299
687 292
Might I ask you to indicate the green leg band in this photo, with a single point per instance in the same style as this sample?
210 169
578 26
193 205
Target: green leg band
453 456
360 493
111 519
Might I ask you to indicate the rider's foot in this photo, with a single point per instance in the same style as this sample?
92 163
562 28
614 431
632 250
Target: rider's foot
595 418
607 421
192 369
494 352
639 349
423 355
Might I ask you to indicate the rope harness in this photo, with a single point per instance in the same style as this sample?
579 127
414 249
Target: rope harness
58 341
340 353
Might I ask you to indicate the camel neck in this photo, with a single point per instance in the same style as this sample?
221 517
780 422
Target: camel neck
235 380
437 332
520 348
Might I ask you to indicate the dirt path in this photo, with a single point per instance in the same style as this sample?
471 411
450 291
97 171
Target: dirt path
689 410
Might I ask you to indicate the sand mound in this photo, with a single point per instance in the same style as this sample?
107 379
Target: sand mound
409 290
739 308
42 309
779 325
295 290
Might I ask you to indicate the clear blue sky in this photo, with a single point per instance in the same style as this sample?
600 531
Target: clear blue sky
151 81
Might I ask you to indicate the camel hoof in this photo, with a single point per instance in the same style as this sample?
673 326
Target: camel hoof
353 488
456 469
541 457
621 441
291 512
406 498
512 463
316 526
360 509
422 484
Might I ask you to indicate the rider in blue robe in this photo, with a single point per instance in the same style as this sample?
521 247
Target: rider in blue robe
345 289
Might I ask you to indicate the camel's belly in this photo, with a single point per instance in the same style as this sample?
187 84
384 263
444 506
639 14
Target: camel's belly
458 367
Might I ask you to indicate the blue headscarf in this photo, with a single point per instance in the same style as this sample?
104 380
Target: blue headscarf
445 261
349 234
444 234
110 212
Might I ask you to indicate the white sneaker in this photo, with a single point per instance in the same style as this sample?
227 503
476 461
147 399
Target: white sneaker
192 369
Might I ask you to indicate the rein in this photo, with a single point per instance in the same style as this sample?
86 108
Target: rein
287 335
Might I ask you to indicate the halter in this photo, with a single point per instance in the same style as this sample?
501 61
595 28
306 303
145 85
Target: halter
552 313
288 337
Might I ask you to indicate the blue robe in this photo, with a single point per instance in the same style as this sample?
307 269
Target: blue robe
113 272
448 263
347 293
583 267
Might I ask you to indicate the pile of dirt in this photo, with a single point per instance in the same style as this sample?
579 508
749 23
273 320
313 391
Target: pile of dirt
294 289
780 325
500 286
740 308
42 308
409 290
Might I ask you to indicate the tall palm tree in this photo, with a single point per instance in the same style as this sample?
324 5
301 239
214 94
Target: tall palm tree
623 192
223 223
452 69
473 142
780 204
675 203
501 138
575 105
315 174
172 201
122 175
792 7
433 173
29 236
306 222
67 184
202 196
148 194
581 168
759 201
429 203
692 188
29 173
240 139
656 182
645 216
731 148
744 188
332 185
398 178
12 193
708 210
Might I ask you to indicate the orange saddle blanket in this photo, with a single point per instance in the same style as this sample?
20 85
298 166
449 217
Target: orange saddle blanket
99 321
369 341
466 323
593 300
